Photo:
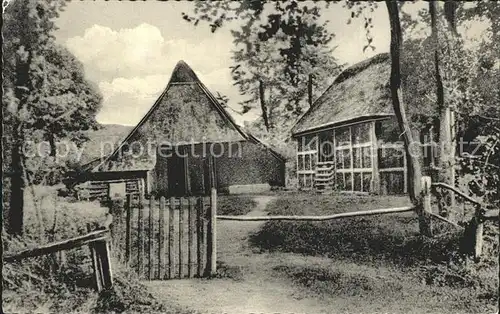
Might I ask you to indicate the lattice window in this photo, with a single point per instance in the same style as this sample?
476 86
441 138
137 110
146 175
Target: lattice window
353 149
307 156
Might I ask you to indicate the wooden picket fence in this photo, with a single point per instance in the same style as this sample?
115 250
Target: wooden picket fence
166 238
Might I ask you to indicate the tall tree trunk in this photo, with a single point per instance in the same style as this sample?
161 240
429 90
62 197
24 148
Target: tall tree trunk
310 90
17 184
263 105
17 180
413 163
446 151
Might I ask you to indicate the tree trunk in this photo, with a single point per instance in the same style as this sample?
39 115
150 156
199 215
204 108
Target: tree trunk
22 89
413 164
17 184
310 90
446 151
263 105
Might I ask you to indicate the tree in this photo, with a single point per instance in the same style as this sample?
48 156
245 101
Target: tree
280 46
45 94
413 163
454 77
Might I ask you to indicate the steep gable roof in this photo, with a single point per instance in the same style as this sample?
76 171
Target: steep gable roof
361 91
186 112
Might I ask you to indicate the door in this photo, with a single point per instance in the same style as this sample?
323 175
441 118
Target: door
176 174
325 146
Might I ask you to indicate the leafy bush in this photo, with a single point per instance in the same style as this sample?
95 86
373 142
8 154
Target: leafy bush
235 204
63 282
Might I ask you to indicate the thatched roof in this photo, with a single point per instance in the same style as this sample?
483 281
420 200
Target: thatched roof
186 112
359 92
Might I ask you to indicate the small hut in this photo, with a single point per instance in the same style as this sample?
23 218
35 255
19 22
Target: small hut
349 139
185 134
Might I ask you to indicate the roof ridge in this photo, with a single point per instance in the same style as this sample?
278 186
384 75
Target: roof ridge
342 76
186 75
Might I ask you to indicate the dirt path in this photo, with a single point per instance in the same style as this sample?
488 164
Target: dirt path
253 282
255 290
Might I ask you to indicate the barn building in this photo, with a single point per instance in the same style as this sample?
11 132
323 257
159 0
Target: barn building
349 140
185 135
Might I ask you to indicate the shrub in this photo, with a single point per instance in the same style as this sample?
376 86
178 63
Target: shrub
390 238
235 204
63 282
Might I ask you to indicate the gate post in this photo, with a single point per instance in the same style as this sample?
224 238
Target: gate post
211 268
212 235
478 224
425 223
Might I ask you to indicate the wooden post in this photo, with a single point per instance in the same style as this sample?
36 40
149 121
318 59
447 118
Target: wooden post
104 263
128 229
425 224
212 235
191 222
181 230
211 268
150 238
95 268
171 231
161 238
478 234
140 235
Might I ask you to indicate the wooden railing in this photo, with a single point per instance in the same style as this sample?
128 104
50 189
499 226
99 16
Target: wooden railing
98 241
424 213
320 218
481 214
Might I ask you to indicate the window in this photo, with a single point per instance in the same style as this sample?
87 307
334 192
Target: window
391 157
353 162
307 155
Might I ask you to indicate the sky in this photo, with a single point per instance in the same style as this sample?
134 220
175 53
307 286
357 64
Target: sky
129 49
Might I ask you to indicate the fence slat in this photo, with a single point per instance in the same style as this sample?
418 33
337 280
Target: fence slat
161 238
190 236
140 237
151 239
181 230
104 262
212 234
95 268
171 261
199 237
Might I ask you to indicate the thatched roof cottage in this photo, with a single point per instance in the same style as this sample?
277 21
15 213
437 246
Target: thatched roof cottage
169 151
349 138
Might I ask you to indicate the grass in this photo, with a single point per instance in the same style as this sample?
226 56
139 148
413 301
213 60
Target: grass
378 242
56 284
235 205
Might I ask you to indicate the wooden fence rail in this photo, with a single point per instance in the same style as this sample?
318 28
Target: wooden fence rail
477 223
320 218
58 246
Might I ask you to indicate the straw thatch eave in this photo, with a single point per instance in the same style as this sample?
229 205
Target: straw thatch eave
361 92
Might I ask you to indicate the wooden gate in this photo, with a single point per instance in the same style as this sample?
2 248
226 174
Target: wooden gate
165 238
